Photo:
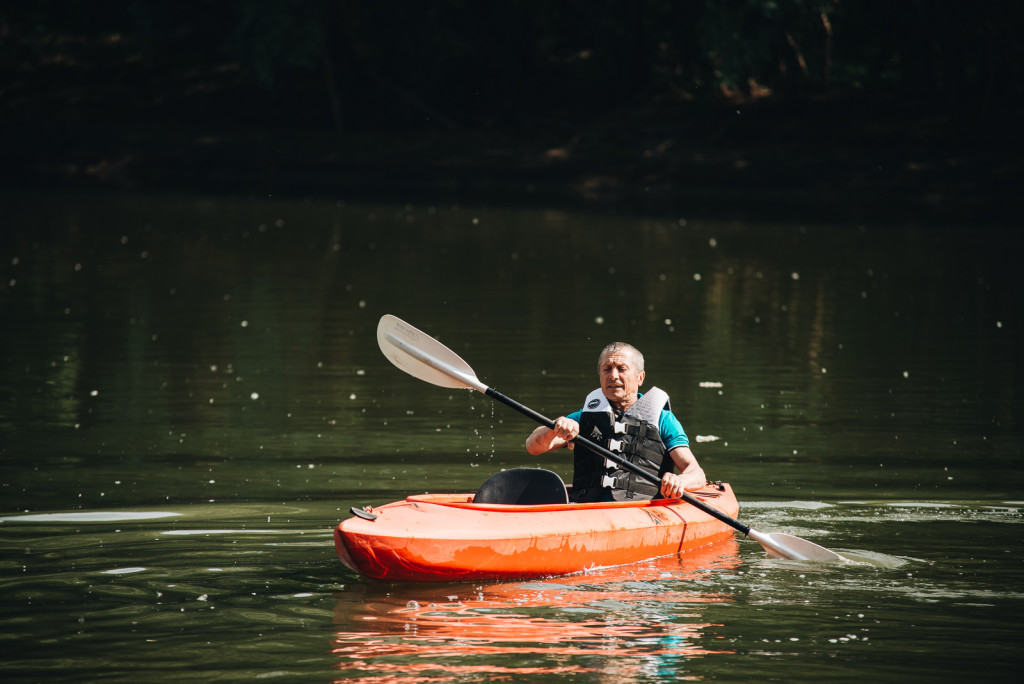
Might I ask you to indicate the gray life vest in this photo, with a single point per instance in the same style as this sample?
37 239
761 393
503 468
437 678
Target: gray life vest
634 435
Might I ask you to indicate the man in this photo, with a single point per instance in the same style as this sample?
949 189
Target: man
639 426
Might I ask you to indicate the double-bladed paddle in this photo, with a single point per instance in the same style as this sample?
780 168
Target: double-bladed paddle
423 357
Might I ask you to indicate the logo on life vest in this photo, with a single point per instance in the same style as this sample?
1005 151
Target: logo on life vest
593 403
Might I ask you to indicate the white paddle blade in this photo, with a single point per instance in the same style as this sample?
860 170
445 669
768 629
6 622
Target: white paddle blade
781 545
423 357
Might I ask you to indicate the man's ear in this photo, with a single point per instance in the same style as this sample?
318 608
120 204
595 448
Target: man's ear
641 376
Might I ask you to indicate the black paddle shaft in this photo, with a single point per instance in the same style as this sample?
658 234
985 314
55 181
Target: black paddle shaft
601 451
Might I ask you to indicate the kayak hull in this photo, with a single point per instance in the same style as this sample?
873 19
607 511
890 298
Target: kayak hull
448 538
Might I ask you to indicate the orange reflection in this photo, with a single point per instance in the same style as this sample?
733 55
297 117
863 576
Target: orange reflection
633 619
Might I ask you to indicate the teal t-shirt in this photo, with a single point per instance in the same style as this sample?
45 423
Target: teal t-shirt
672 433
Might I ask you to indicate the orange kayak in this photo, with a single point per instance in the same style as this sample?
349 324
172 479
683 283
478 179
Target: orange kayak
448 538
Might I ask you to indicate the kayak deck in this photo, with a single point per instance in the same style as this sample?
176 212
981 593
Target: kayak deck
448 538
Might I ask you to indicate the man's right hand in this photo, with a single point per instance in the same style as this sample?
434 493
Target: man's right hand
545 439
566 430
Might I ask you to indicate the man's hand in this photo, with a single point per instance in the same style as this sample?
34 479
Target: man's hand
673 485
543 439
566 430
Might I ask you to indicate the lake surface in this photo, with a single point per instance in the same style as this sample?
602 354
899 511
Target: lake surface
192 397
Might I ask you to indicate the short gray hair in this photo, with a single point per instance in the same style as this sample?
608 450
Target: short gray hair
638 358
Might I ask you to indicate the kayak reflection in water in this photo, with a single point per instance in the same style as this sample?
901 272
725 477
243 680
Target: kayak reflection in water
639 426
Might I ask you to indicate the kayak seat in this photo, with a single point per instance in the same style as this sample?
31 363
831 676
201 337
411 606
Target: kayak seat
523 487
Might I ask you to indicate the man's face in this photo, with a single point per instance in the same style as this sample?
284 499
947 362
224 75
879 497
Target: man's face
620 380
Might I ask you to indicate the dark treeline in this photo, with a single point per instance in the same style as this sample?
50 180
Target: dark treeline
387 65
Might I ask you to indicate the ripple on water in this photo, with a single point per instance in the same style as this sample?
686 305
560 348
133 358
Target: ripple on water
773 505
90 516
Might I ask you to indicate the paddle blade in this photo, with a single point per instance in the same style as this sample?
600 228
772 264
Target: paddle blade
781 545
423 357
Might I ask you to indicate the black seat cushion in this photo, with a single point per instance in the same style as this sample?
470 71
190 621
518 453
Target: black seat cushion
523 486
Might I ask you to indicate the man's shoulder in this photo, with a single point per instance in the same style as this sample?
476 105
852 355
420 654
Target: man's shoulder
669 420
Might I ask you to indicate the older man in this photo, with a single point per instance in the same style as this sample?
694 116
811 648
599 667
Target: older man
639 426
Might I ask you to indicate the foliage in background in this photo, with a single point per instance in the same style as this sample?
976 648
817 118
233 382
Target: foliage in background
357 63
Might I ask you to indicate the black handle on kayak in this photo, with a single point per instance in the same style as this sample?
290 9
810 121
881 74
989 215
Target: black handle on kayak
612 456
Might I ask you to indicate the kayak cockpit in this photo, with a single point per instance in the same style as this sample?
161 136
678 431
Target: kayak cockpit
523 487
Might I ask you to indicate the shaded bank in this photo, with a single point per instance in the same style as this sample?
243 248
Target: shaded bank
838 111
839 158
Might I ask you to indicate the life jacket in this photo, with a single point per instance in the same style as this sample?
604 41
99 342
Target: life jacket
634 435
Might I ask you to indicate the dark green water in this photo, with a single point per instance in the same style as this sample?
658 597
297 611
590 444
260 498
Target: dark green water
191 398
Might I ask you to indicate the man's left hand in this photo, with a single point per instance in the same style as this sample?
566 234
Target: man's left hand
673 485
